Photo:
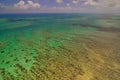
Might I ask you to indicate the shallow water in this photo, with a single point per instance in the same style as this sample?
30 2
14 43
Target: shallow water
59 47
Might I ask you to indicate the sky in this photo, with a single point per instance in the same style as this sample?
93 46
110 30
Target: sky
60 6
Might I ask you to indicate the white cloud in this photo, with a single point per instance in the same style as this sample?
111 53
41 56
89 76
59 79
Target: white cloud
68 6
75 1
59 1
90 2
20 5
2 6
33 5
29 5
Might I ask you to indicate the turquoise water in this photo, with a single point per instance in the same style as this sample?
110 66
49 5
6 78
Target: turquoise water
59 47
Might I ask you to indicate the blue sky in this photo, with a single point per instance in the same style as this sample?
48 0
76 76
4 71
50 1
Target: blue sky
60 6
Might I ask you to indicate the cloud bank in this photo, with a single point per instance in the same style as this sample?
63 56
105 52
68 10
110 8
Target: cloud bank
101 6
109 3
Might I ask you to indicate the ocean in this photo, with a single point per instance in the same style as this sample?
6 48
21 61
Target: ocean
59 47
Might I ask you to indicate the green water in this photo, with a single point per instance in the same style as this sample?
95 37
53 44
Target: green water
60 47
